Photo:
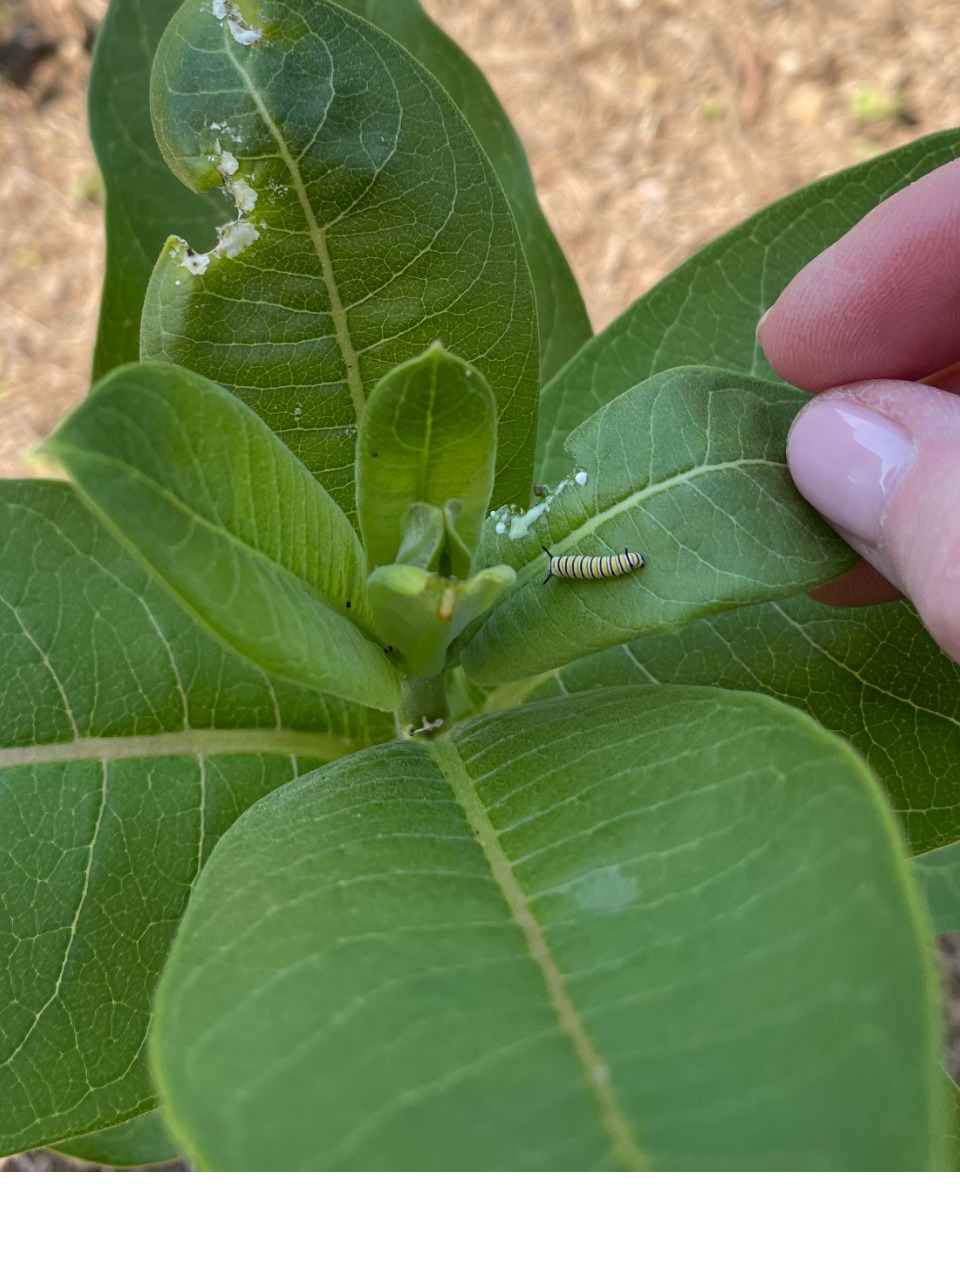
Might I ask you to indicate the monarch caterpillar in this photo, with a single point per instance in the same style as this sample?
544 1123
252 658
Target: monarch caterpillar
592 566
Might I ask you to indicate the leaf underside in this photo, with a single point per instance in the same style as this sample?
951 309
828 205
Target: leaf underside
131 741
937 874
231 523
141 1141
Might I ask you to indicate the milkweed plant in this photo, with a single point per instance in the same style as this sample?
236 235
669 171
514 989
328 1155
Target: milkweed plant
334 835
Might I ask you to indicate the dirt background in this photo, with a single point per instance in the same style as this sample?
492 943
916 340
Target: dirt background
651 127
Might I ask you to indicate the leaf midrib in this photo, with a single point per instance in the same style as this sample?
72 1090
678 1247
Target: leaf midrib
338 312
184 742
636 498
596 1074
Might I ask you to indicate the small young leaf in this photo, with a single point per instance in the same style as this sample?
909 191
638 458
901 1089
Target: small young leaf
420 614
687 469
706 312
666 929
371 225
141 1141
428 435
144 201
937 875
424 535
231 523
872 675
130 740
561 314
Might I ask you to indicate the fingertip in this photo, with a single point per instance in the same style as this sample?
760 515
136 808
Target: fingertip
883 301
847 460
881 462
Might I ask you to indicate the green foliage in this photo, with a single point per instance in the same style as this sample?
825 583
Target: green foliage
576 910
371 224
141 214
872 675
561 315
141 211
422 613
630 927
131 740
144 1140
428 435
953 1125
687 468
706 311
870 106
231 522
937 874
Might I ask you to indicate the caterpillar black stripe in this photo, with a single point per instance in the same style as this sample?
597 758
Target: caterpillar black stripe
589 567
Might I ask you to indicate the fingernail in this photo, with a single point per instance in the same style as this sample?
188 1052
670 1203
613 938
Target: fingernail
847 460
762 321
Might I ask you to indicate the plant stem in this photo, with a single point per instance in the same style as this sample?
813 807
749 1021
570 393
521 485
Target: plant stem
423 706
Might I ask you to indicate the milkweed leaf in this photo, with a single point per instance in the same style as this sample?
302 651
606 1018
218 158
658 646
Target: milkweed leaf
874 676
428 436
130 740
706 312
231 523
665 928
689 470
370 224
561 314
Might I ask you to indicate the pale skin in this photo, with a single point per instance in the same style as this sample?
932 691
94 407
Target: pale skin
873 324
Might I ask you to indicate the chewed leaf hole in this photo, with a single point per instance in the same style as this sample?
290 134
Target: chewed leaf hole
241 30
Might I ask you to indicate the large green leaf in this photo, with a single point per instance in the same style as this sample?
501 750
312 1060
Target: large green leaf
562 316
373 225
937 874
129 741
231 522
141 1141
872 675
428 435
667 929
688 469
707 310
952 1162
144 201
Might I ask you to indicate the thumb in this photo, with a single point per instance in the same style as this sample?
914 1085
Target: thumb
881 462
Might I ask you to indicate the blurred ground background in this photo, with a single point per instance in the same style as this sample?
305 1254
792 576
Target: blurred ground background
651 127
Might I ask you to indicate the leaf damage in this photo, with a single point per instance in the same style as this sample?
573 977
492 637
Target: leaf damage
243 32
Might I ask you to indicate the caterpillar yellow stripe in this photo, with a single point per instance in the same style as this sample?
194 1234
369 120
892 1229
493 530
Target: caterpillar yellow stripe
590 567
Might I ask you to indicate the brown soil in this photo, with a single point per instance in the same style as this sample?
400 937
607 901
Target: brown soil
651 126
